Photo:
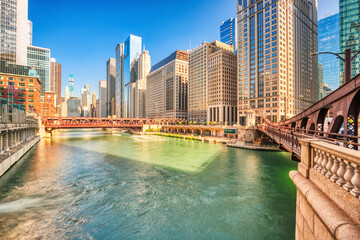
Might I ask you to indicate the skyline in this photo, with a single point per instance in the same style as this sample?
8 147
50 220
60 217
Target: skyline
65 32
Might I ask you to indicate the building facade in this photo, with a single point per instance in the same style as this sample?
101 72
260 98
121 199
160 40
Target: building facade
329 42
73 107
222 86
85 100
276 77
28 89
55 79
228 32
198 79
350 32
39 59
110 83
102 98
167 87
126 73
14 31
48 108
139 87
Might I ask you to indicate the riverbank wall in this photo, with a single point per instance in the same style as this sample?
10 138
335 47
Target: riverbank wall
15 154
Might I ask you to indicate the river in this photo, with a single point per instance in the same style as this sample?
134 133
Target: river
94 185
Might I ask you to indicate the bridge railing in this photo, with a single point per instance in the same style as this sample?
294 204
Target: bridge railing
337 138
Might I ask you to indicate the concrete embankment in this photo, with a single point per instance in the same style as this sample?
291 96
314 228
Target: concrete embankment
14 156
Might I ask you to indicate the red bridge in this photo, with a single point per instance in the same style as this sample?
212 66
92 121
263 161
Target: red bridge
342 105
52 123
68 122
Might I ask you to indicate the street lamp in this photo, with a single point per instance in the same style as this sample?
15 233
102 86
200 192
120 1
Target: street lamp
347 61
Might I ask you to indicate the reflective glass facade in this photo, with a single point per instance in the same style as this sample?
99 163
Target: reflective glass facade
228 32
328 30
350 31
126 73
14 31
39 58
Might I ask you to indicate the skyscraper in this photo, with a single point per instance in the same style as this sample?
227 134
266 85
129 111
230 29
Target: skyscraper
126 73
110 83
228 32
276 77
328 28
39 58
55 79
30 30
14 31
71 85
102 98
85 100
166 87
67 93
222 84
350 32
139 87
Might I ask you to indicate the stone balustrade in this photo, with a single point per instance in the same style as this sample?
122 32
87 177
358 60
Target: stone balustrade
328 191
342 169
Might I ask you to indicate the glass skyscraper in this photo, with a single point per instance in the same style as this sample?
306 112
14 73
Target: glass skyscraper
350 32
228 32
328 40
39 58
126 73
14 31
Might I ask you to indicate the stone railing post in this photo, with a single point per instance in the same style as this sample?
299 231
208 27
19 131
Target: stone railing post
307 154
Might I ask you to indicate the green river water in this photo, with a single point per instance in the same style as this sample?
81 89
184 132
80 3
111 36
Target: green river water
94 185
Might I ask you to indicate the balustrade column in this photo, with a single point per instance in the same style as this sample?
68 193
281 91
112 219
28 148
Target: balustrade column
324 163
321 159
341 172
334 169
316 158
356 182
329 165
348 176
1 144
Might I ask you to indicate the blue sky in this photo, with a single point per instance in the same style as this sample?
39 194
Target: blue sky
83 34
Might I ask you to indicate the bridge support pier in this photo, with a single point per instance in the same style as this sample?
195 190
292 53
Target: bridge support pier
325 210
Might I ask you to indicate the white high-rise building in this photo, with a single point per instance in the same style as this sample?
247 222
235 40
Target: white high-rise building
138 88
67 93
102 98
14 31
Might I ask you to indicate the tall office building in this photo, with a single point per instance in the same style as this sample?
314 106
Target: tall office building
14 31
198 79
73 107
110 83
350 32
276 77
139 87
321 80
86 96
39 58
67 93
71 85
55 79
228 32
126 73
328 29
102 98
166 87
222 84
30 33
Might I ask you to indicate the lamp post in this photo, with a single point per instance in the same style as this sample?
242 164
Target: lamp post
347 59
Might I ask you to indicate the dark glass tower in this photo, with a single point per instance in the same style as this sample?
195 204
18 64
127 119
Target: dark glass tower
350 32
228 32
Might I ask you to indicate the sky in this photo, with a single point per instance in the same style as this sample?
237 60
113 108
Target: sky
83 34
